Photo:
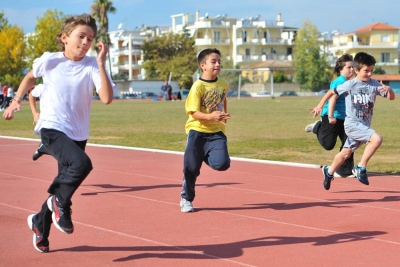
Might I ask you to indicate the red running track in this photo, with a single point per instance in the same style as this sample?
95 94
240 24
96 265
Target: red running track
126 213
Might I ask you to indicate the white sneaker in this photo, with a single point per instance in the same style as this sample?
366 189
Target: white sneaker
337 175
186 206
309 128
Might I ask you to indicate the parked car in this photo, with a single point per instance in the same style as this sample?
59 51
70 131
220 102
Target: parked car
148 95
243 93
289 93
322 92
262 94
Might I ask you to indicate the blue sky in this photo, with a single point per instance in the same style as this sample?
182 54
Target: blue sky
342 15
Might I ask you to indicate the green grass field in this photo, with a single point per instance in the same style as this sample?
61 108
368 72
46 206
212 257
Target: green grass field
260 128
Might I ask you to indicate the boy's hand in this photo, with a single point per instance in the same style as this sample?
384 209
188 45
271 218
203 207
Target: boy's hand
220 116
315 111
384 89
332 120
103 50
36 118
9 112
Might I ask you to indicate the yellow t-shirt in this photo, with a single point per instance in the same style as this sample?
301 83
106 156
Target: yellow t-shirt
206 97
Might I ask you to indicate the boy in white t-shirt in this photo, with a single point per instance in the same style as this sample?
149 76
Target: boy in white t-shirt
69 78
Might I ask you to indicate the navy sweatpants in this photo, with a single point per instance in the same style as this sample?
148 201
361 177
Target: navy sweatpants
210 148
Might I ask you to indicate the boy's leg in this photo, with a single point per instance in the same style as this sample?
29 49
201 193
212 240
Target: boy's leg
192 161
216 152
345 170
74 166
328 171
327 133
374 143
40 224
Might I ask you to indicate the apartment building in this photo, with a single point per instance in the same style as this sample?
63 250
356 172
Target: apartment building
126 54
241 41
378 39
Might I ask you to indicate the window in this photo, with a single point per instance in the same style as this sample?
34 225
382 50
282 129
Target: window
385 38
217 37
200 35
263 51
385 57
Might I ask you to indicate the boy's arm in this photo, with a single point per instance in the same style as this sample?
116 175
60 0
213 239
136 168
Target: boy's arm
317 110
32 104
331 108
27 82
388 92
106 90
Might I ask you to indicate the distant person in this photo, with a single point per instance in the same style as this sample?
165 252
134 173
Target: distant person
164 90
10 94
361 95
207 110
1 96
169 92
69 78
4 91
329 128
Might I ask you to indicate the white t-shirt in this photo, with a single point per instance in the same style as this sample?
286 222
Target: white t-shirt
66 98
10 92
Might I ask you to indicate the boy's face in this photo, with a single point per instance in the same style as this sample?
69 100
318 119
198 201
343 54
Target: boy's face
78 43
212 66
365 73
348 70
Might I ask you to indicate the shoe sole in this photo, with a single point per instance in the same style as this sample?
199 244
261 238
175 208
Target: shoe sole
30 224
53 216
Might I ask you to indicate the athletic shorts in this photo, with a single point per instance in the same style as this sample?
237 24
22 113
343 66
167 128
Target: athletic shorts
357 135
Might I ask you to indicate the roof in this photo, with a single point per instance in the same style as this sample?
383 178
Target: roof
376 26
386 77
271 64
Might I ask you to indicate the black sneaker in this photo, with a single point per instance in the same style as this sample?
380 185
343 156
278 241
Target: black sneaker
61 215
37 154
39 243
327 177
361 173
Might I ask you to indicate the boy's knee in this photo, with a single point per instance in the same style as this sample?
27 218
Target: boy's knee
376 138
85 166
221 166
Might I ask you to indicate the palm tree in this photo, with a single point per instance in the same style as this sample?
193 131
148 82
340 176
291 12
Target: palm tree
99 11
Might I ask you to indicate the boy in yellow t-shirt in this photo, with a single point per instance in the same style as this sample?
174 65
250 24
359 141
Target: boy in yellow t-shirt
207 110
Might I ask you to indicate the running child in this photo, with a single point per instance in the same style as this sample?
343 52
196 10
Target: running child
69 78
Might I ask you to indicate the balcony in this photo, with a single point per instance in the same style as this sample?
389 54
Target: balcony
210 41
257 58
264 41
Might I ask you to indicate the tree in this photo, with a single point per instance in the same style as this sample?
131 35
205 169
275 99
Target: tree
3 20
12 51
378 70
44 39
312 68
170 53
99 11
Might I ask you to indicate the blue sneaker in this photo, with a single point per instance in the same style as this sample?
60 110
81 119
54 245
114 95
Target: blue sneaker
361 173
327 177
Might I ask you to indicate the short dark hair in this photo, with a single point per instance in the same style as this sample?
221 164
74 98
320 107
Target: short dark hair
362 59
341 63
202 57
